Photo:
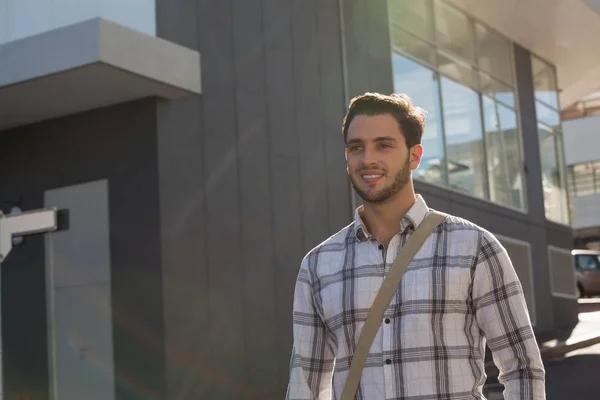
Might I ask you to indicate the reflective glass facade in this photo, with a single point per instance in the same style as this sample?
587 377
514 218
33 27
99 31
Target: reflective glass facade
461 72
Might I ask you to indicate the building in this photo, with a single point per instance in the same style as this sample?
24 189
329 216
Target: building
197 148
582 155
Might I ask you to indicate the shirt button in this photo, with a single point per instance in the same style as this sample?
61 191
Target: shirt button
387 320
388 361
380 247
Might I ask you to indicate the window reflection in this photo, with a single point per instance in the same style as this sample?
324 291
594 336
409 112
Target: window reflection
496 89
414 16
503 154
454 31
547 115
544 82
555 196
464 138
458 63
494 53
405 42
421 85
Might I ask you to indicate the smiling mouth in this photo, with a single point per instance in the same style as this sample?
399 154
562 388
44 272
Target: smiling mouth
371 179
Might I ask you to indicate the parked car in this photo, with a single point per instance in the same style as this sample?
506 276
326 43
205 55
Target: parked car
587 270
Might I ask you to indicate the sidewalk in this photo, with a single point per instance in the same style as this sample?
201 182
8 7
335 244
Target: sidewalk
585 335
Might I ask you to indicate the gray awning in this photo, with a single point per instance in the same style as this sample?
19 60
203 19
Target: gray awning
88 65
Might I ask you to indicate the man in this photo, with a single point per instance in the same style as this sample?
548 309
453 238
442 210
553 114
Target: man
459 292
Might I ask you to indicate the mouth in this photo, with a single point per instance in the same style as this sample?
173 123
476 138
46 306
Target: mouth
371 178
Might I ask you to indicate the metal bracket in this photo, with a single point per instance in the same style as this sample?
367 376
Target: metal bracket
26 223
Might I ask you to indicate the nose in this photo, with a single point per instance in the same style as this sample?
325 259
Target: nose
368 156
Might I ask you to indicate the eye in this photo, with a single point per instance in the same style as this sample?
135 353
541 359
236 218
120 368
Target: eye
384 145
354 148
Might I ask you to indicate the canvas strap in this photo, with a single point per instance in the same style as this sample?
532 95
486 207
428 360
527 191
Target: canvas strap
383 299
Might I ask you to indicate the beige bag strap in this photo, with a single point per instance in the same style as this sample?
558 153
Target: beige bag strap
383 299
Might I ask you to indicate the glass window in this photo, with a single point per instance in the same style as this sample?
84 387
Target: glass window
414 16
547 115
544 82
464 138
457 70
494 54
405 42
588 262
454 31
555 196
503 151
496 89
554 182
448 63
422 85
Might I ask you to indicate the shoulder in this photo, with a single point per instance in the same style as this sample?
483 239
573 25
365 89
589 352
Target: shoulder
462 229
332 248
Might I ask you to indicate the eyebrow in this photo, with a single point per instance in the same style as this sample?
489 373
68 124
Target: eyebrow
377 139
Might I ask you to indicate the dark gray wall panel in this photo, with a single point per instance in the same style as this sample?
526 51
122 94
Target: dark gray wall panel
543 296
177 22
367 44
333 110
531 151
183 239
559 235
288 239
23 301
355 37
566 313
255 187
378 46
307 82
222 191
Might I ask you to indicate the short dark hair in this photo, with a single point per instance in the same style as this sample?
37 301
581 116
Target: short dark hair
411 119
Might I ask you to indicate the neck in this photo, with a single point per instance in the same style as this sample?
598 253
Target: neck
383 219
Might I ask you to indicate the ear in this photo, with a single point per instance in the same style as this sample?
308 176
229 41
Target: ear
416 154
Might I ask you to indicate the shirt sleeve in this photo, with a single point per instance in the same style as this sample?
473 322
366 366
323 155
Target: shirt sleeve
503 317
313 357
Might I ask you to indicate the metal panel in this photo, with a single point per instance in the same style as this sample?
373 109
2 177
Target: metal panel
177 22
184 266
78 295
356 41
255 196
307 81
529 134
285 172
334 105
381 78
520 254
562 273
222 188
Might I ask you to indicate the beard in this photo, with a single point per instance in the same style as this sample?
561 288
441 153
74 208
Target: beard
381 196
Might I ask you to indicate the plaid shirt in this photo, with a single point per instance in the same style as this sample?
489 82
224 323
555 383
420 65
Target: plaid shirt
459 291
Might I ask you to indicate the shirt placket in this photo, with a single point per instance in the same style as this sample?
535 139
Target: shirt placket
387 325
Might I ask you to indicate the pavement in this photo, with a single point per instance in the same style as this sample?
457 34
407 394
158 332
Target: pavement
572 365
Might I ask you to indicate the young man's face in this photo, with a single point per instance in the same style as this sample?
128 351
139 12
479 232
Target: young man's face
379 162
